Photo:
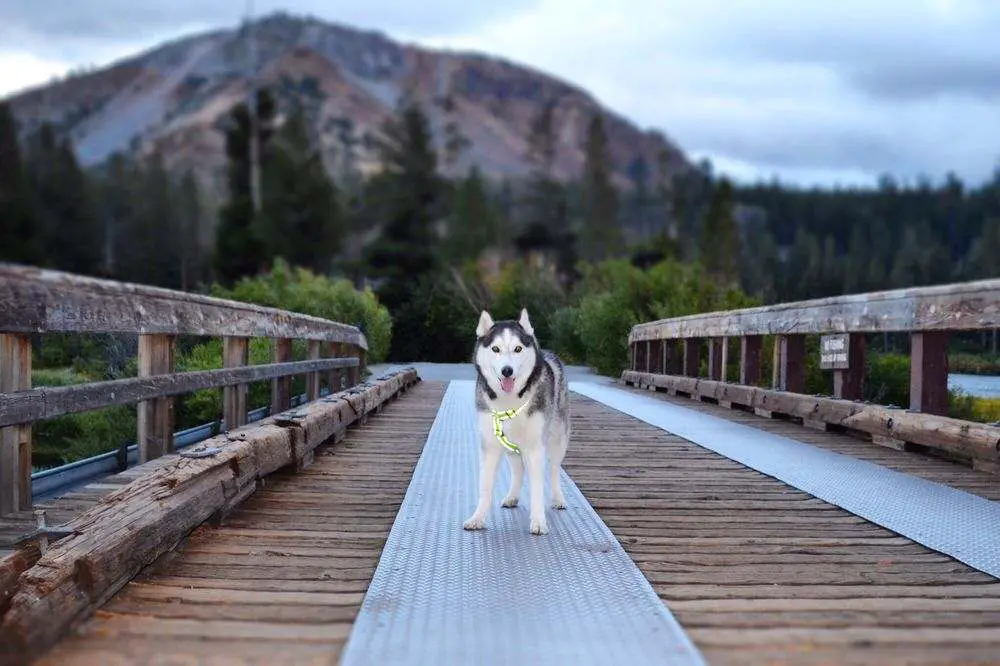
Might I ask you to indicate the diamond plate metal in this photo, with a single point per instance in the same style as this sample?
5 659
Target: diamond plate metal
945 519
442 595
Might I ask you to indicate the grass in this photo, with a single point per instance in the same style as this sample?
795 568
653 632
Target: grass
974 364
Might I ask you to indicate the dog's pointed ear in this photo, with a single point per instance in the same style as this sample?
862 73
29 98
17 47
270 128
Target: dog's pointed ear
525 322
485 324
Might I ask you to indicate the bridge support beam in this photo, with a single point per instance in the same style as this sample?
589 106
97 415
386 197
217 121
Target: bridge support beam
751 366
155 417
281 388
692 354
790 363
235 354
929 373
312 379
717 358
849 384
15 440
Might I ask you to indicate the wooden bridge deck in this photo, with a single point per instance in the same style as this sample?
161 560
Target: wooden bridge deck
757 572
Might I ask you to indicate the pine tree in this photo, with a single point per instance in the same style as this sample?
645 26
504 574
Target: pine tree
67 219
546 229
719 249
602 235
20 240
191 221
238 249
405 249
474 222
301 219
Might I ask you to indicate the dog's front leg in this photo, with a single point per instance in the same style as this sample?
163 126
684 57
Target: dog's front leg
534 461
516 481
489 462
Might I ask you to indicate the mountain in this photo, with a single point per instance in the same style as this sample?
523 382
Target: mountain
173 99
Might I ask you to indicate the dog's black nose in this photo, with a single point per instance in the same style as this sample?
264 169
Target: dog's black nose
507 371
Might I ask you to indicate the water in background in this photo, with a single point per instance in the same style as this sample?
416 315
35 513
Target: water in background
981 386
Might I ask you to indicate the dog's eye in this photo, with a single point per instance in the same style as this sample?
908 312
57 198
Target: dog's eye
496 350
518 349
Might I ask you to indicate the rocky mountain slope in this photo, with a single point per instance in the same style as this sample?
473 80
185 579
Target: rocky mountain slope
174 99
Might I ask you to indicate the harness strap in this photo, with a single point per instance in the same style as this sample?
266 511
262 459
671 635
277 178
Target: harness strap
498 419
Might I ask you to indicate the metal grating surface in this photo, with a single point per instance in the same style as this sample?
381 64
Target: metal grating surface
945 519
442 595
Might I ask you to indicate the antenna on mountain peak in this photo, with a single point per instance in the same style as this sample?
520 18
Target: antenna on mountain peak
251 64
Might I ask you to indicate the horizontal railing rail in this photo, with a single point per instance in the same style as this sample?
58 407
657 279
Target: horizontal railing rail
668 354
37 301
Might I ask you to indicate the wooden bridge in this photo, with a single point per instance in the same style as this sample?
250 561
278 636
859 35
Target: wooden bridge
716 519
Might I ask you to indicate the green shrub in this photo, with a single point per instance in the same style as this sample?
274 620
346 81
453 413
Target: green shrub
524 286
64 439
566 340
974 364
299 290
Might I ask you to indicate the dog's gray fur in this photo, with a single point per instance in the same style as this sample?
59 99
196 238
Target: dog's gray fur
542 426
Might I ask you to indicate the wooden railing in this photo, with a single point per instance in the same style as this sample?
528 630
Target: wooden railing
667 355
36 301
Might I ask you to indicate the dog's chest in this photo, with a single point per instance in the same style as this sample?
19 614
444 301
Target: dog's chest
523 429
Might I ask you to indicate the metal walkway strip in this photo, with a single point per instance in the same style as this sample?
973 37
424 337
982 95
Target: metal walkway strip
442 595
945 519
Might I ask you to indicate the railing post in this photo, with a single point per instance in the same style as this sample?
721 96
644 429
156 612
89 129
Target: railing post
15 440
336 376
155 417
751 348
281 387
790 363
715 359
692 347
354 372
312 379
649 356
929 373
849 384
235 353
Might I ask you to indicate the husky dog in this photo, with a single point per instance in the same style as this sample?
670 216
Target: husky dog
521 394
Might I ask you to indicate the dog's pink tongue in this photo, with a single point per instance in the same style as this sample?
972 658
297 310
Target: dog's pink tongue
507 384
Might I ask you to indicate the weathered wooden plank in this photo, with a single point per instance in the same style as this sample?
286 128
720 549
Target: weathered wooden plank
751 368
235 354
974 441
36 300
849 383
281 387
969 306
313 353
181 586
148 517
790 363
48 402
929 373
780 572
15 440
155 422
692 356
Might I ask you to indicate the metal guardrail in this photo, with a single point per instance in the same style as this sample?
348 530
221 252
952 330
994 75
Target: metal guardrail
52 482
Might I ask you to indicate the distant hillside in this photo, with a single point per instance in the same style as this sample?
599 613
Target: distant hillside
173 99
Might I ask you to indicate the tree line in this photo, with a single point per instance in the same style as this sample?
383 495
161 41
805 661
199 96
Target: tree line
408 228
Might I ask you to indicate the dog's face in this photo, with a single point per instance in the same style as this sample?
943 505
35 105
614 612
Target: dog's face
506 352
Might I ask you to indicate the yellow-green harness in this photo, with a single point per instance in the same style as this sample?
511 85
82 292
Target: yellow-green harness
498 419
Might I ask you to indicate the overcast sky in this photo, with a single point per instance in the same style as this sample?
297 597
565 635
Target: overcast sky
813 92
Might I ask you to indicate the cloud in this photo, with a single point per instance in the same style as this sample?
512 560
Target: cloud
94 21
815 92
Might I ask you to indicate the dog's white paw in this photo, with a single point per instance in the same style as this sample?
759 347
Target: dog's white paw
539 526
510 501
559 502
476 522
